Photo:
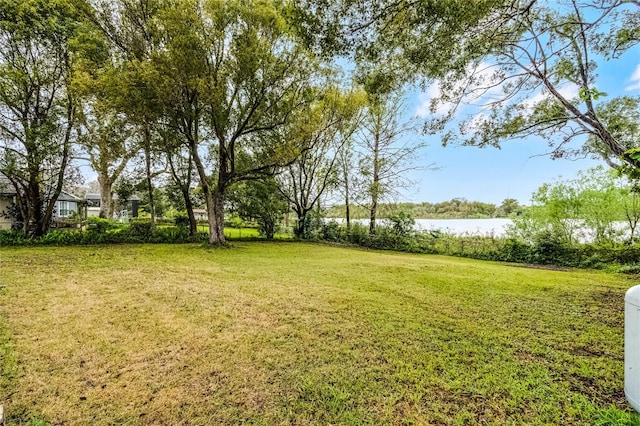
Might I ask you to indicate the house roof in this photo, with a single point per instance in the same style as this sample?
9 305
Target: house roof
66 196
7 188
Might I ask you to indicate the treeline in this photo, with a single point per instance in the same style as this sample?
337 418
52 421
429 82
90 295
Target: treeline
574 223
238 106
456 208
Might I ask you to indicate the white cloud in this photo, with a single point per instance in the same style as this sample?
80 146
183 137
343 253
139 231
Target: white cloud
428 98
569 91
635 80
481 86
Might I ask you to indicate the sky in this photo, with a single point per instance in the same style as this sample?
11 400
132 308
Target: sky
519 167
490 174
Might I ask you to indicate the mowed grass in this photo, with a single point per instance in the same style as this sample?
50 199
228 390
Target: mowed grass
292 333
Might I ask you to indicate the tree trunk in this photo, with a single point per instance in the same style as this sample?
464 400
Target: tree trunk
216 217
345 177
300 230
216 211
147 159
36 219
193 224
106 197
347 208
215 202
375 185
372 215
24 209
268 225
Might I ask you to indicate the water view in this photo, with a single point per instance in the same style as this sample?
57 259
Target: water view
496 227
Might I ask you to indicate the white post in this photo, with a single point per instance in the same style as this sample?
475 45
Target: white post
632 347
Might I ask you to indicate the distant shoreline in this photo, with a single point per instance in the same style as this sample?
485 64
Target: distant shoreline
472 226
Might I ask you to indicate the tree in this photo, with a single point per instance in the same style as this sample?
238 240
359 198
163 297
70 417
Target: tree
388 149
181 67
601 204
349 180
323 130
232 67
508 207
536 60
182 173
540 78
109 141
256 79
130 27
407 38
260 200
582 209
41 41
554 209
631 208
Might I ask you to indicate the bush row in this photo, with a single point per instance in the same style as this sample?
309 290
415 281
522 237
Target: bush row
399 236
545 249
102 231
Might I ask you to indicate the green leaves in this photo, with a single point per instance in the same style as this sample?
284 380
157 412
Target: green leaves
581 209
634 153
544 83
590 94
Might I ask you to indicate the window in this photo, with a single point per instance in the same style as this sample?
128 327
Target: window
66 208
63 208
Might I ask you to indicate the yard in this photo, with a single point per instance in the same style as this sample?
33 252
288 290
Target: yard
292 333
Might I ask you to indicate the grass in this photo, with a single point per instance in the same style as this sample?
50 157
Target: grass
244 233
292 333
249 234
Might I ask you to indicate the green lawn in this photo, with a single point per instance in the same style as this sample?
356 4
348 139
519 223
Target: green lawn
292 333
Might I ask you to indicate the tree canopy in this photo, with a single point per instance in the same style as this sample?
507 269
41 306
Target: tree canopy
216 94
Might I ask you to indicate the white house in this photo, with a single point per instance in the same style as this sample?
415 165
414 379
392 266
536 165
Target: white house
68 206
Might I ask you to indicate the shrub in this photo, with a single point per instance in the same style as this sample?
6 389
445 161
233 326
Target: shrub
170 234
181 221
140 229
402 223
549 248
13 238
332 231
100 225
514 250
630 269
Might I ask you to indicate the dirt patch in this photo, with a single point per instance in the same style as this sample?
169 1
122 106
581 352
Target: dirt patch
596 391
606 307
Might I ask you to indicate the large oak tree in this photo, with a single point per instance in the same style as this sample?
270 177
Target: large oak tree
40 43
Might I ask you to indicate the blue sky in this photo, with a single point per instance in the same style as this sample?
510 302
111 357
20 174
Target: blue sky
489 174
516 170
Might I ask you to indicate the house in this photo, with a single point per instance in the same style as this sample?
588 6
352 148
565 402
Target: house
122 212
200 214
67 206
7 197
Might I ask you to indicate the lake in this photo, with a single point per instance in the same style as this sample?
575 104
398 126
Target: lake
496 227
